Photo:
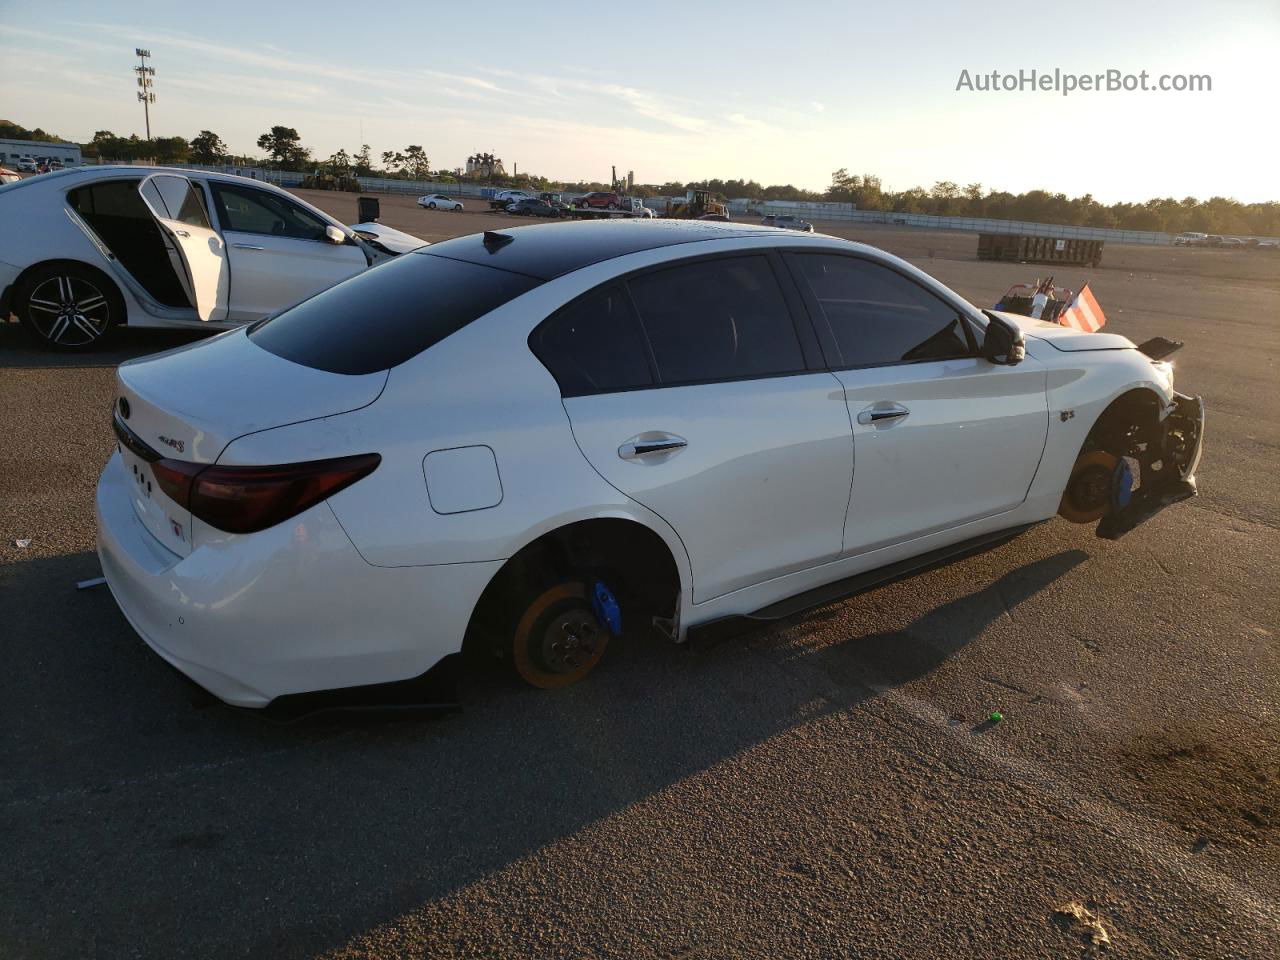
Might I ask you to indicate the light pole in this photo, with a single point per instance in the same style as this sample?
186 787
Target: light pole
145 74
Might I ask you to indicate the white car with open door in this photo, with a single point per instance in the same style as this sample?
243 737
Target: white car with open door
87 250
519 445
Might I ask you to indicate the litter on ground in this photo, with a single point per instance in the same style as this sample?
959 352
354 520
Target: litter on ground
1076 916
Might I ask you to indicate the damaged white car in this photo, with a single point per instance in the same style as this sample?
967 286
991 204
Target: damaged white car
90 250
512 444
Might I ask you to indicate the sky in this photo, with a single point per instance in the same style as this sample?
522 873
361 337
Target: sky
778 93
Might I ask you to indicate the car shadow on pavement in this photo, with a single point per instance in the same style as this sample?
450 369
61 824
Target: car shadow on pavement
121 783
19 350
897 657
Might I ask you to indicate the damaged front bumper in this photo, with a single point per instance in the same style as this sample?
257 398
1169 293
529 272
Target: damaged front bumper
1167 467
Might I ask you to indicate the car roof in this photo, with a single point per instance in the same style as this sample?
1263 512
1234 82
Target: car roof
87 174
547 251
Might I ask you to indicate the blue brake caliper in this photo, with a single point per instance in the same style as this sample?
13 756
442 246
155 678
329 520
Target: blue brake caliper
606 608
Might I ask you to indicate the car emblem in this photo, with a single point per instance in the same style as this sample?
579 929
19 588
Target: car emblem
178 445
124 408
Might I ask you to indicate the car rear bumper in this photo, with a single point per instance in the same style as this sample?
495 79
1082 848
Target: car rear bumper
290 610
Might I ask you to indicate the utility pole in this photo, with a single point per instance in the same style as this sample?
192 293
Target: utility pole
145 74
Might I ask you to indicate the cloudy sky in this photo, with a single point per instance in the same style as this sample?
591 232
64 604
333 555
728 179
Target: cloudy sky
780 93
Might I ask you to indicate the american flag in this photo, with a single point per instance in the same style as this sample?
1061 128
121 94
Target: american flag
1083 313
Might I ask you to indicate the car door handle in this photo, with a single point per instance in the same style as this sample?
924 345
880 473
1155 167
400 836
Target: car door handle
182 233
247 246
883 414
649 444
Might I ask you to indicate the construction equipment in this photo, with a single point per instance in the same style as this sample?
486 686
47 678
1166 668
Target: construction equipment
329 181
696 203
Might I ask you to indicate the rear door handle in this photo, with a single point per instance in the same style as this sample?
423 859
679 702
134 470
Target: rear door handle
883 414
247 246
650 444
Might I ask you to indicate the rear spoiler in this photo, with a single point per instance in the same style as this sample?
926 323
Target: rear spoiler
1157 348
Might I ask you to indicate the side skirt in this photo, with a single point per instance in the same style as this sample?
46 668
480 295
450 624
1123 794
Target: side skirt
714 631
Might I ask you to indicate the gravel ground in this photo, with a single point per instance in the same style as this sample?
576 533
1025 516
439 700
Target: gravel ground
825 788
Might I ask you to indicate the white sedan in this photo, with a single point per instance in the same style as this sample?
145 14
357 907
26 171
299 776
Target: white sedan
103 247
438 201
519 445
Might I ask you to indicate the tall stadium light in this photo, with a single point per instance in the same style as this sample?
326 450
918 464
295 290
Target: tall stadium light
145 75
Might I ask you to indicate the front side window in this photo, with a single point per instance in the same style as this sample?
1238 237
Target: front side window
877 316
246 210
719 319
594 345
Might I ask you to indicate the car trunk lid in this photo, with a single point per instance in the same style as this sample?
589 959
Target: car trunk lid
189 404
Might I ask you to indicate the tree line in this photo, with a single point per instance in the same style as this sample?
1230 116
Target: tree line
284 150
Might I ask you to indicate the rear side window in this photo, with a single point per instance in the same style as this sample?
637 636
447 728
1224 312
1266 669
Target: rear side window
115 198
877 316
384 316
721 319
594 345
175 196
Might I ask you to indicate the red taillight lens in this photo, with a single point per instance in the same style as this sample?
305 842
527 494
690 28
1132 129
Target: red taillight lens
248 499
174 478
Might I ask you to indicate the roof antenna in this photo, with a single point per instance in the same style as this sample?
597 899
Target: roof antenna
493 240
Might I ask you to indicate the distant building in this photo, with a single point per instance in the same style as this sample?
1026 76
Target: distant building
485 165
11 151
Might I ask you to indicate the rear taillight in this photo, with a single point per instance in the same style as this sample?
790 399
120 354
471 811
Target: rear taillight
248 499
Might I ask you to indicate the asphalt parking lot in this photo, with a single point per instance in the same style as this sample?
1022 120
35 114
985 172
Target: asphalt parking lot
827 788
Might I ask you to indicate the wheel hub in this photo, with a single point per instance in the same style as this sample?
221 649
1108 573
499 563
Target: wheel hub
569 641
1091 487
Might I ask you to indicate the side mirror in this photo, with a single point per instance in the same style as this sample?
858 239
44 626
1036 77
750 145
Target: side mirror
334 235
1004 344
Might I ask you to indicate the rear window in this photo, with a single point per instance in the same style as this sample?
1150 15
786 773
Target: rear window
386 315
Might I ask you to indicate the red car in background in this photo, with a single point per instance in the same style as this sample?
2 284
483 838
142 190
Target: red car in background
603 199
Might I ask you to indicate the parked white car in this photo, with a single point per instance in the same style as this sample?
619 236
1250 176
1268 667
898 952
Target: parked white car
518 445
8 176
27 164
433 201
108 246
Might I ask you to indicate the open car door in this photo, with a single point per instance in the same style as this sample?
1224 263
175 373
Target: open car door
196 250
